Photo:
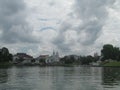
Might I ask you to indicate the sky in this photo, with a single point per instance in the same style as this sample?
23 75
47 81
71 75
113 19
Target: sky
78 27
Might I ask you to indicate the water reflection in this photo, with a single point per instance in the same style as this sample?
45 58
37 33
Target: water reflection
111 76
74 78
59 78
3 76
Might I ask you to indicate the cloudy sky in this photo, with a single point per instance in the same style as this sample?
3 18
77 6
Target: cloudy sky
79 27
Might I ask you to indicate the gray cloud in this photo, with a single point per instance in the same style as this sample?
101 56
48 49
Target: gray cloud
56 25
60 41
91 14
13 23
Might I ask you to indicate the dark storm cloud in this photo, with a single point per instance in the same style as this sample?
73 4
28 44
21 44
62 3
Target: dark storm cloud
13 22
92 15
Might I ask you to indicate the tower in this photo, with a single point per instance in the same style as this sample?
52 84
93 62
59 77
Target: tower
53 53
57 54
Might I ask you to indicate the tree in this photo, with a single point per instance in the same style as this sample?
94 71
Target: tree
107 51
5 56
110 52
86 60
68 59
42 60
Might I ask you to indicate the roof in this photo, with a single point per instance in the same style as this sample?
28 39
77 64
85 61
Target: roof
23 55
43 56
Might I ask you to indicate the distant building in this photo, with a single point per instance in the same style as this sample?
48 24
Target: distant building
54 58
96 55
41 59
23 58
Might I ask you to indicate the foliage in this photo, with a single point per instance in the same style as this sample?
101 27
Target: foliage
110 52
5 56
86 60
72 59
42 60
67 60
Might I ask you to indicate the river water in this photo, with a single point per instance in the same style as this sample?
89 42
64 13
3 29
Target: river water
59 78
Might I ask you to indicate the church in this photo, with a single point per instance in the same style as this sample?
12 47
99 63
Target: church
54 58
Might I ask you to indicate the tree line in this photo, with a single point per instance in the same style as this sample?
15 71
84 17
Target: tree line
108 52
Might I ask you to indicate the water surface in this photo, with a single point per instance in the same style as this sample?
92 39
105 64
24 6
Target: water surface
59 78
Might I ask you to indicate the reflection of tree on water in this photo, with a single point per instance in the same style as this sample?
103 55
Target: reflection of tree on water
3 76
111 76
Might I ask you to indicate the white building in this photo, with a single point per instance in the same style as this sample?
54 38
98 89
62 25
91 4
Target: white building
54 58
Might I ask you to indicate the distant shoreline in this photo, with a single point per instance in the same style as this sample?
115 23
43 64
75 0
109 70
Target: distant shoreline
6 64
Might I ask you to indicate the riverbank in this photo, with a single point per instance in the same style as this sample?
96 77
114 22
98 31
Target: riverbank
104 64
5 64
112 64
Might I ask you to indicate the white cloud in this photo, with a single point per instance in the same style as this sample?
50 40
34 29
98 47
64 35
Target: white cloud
69 26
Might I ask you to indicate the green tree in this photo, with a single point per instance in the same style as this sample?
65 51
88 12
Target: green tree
68 59
110 52
116 53
5 56
86 60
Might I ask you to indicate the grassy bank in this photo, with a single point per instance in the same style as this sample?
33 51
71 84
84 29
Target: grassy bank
112 64
5 64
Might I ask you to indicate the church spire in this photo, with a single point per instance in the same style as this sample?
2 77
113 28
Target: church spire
53 52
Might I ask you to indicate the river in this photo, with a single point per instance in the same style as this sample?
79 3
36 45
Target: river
59 78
